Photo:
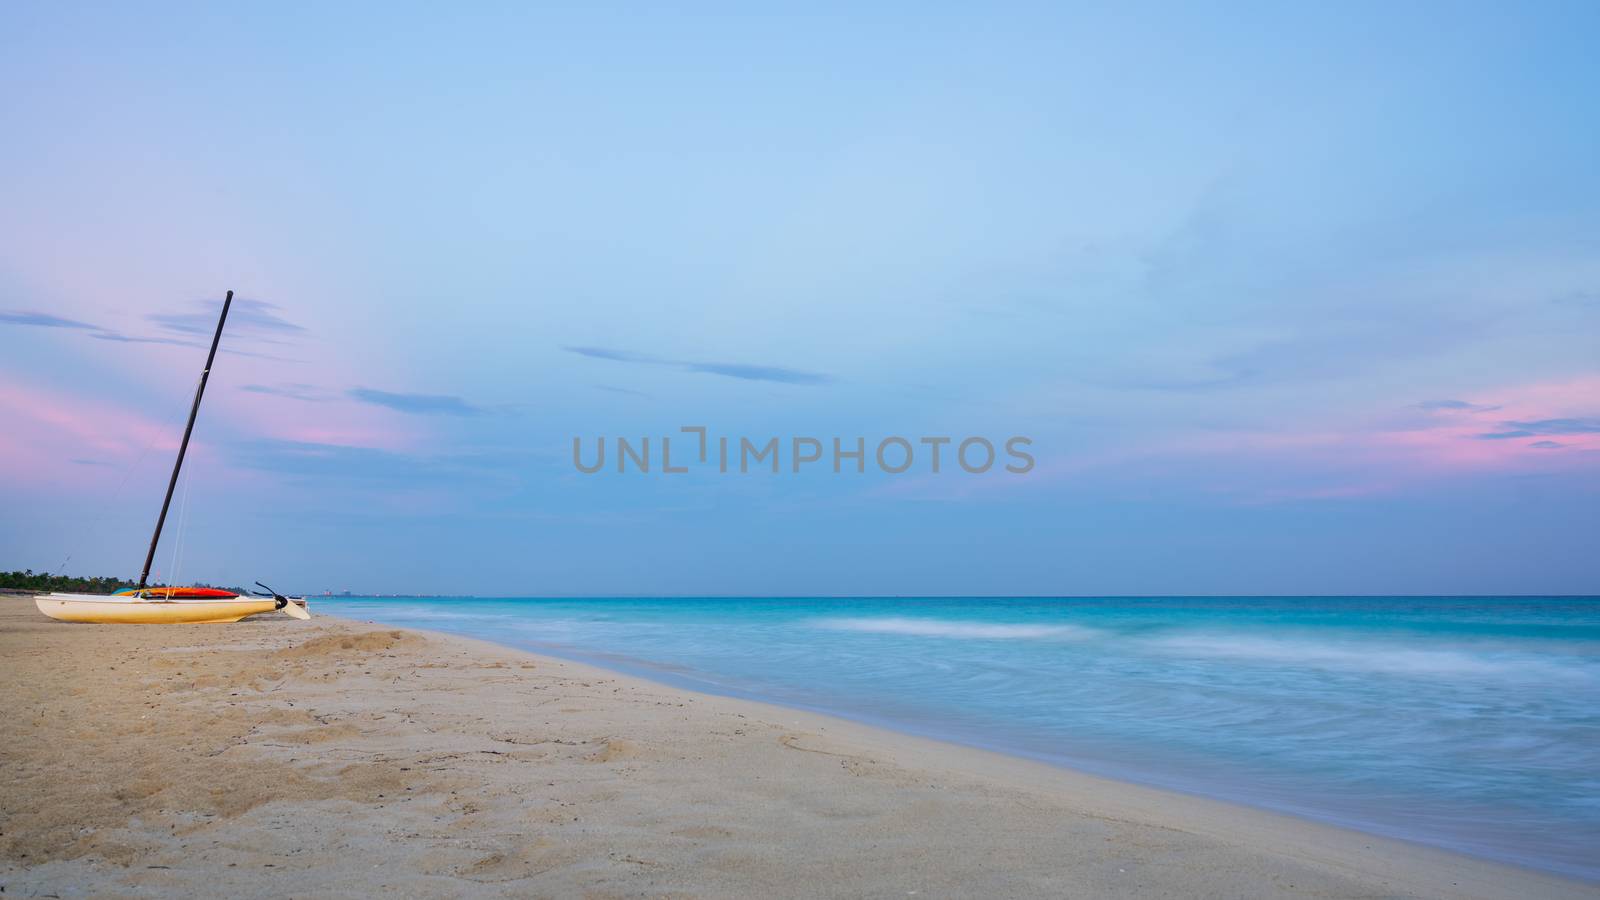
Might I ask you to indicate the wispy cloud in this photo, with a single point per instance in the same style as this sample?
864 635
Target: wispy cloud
1455 406
759 373
742 371
291 391
45 320
620 390
617 355
1559 426
312 461
176 342
248 316
417 404
42 320
1546 445
1544 426
254 317
130 339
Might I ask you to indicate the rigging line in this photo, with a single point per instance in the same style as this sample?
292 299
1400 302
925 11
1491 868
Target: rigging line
97 518
183 518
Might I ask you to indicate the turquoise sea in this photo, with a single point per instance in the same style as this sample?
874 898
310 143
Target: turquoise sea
1471 723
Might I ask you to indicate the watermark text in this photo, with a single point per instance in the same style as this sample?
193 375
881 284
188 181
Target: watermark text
697 448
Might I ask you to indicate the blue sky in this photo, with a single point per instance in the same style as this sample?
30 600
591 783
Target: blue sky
1289 300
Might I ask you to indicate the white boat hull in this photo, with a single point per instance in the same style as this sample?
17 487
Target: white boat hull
98 608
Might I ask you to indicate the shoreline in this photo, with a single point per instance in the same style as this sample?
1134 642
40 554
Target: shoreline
1324 740
664 676
1014 768
464 767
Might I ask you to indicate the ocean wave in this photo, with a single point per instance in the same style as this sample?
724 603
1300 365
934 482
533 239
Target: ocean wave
1383 659
954 629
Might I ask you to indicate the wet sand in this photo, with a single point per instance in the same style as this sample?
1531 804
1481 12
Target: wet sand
336 758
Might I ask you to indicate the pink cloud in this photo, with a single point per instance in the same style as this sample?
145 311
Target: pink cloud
1461 439
1383 451
49 429
74 441
165 370
1437 442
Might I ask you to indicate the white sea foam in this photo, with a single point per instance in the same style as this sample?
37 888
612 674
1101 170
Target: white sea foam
952 629
1379 658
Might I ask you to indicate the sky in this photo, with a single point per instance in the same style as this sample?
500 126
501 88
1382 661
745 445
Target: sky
1286 299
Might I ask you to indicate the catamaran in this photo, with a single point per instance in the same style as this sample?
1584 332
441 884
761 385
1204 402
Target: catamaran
171 605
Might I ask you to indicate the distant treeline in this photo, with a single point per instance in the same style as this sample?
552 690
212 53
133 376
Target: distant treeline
29 580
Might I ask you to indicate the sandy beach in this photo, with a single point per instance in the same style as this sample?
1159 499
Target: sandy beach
336 758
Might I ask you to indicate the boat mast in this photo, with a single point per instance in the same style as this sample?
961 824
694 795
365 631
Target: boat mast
184 447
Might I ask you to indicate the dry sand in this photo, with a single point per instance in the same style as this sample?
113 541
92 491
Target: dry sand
335 758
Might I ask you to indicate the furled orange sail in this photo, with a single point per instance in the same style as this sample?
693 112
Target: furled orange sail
178 593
